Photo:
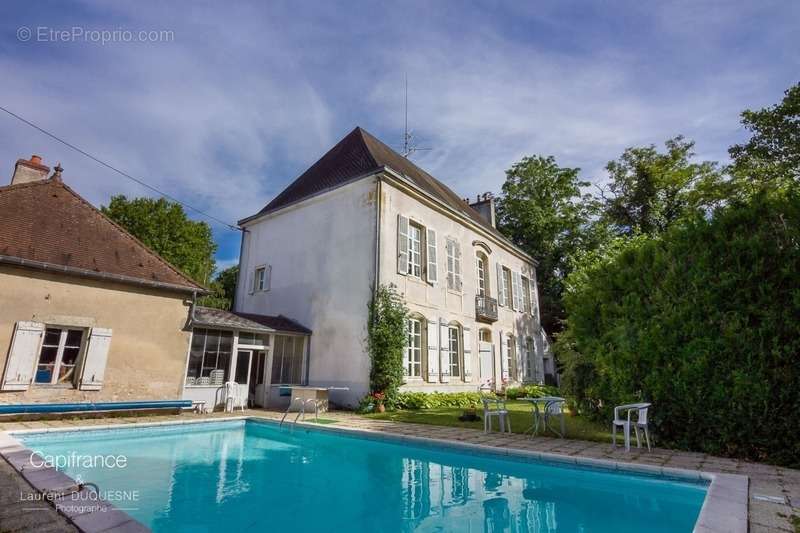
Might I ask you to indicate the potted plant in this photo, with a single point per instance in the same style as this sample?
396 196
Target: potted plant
379 398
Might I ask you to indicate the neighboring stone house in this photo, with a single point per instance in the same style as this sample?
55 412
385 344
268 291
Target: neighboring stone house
87 312
364 215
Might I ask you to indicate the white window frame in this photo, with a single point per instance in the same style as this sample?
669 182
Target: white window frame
57 363
453 265
530 358
414 352
508 294
481 267
454 351
415 256
261 278
526 295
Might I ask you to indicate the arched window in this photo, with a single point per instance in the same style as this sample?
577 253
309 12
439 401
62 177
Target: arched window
482 266
416 329
454 349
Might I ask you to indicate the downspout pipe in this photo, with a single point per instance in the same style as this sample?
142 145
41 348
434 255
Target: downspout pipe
378 205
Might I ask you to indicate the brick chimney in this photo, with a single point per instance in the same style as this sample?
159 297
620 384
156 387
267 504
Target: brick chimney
485 208
26 171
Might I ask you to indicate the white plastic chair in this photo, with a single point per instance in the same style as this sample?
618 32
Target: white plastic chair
626 424
233 396
500 412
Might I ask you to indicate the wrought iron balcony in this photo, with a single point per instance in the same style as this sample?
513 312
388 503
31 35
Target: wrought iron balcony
485 309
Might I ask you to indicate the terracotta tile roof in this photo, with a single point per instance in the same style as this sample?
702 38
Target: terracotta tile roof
46 222
206 316
360 154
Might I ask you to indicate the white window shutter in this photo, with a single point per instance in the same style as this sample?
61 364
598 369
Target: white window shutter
467 354
457 265
94 364
516 291
405 351
433 350
22 356
444 352
433 275
501 287
450 266
402 244
504 360
268 277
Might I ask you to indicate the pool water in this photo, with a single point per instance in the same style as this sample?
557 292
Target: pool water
253 476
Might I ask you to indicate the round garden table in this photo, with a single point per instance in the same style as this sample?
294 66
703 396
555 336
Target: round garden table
551 406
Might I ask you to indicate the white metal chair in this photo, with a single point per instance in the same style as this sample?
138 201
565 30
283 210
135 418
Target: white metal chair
234 396
626 424
499 411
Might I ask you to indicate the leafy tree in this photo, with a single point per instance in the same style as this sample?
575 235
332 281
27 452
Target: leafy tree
386 341
223 289
164 227
543 211
772 155
650 190
702 322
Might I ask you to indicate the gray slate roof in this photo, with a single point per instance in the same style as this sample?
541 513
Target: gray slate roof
217 318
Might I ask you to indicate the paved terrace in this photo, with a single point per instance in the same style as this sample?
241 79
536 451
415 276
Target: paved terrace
782 484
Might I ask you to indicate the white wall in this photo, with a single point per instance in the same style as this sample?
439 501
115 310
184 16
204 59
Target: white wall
436 300
322 256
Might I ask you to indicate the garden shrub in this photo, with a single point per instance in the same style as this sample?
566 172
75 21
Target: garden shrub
531 391
704 322
386 341
439 400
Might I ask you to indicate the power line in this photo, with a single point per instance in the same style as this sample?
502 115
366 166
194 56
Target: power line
118 171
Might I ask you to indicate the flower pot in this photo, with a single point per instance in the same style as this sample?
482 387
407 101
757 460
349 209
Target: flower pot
380 408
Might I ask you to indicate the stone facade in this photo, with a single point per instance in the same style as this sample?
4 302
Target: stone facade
149 342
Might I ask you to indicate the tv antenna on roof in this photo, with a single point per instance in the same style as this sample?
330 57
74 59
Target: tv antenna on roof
409 147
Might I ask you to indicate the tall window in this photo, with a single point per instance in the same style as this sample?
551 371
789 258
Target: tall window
210 357
58 356
415 250
511 358
414 348
483 278
454 344
508 293
530 361
287 360
484 335
453 265
526 295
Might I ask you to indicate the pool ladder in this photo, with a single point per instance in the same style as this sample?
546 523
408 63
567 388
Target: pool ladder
301 411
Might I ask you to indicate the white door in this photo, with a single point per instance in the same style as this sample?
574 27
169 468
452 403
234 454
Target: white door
486 356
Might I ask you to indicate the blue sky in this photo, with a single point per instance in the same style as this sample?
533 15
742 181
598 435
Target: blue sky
244 96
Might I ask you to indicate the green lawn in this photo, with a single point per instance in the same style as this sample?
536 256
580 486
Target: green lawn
577 427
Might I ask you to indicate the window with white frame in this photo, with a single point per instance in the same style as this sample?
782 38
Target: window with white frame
287 360
58 356
508 294
530 361
511 357
415 250
261 278
526 295
453 265
210 357
414 348
454 350
483 275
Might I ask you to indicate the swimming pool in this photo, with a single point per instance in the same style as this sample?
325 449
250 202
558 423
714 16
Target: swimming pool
251 475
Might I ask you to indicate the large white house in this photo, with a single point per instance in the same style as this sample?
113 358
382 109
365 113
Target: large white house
364 215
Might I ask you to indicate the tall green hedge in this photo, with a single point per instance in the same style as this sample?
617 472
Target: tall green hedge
704 322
